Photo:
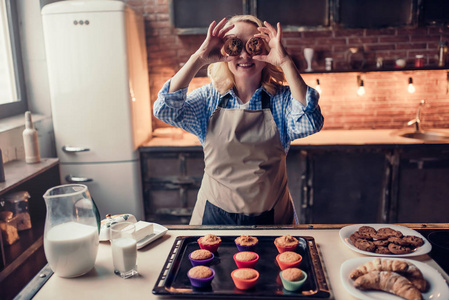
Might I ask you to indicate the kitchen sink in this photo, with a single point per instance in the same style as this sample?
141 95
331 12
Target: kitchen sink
426 135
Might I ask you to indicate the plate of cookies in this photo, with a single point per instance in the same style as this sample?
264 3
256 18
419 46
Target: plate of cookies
370 278
384 240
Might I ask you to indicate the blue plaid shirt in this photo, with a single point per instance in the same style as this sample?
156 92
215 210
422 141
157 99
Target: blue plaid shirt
191 112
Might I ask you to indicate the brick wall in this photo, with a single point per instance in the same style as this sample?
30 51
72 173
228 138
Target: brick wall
386 104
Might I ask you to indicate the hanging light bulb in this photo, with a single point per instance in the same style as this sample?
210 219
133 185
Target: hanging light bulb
411 88
318 86
361 89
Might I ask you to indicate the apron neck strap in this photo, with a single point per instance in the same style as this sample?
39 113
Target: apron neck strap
266 99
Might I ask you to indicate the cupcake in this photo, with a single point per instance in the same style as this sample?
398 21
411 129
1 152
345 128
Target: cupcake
246 243
245 278
246 259
293 279
286 243
201 257
288 259
201 276
209 242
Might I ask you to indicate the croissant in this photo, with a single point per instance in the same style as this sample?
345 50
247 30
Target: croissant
390 282
408 270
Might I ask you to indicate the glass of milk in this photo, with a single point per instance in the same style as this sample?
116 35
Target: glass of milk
124 249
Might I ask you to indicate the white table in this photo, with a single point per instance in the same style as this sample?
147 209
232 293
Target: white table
101 283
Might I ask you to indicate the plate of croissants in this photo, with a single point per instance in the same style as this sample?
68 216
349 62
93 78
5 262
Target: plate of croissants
381 278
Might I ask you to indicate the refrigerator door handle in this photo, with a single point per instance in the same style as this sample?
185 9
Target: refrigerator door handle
70 149
76 179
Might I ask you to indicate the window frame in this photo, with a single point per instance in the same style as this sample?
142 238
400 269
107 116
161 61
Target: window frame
20 106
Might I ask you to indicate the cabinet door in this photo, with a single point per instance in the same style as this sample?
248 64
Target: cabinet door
171 181
348 186
423 193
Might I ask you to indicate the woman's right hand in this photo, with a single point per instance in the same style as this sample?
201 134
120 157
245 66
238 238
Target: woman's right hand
210 50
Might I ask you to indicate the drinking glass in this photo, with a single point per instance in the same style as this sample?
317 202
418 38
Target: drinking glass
124 249
308 55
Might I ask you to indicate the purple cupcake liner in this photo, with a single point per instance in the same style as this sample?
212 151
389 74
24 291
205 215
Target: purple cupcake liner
201 282
201 262
246 248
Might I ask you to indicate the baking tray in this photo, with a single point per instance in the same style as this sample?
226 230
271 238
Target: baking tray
173 278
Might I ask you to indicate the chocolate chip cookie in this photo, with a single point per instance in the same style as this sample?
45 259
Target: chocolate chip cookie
382 250
255 46
365 245
366 232
386 232
413 240
233 46
397 249
381 243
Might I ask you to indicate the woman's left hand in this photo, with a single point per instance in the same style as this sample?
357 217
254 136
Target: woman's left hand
277 55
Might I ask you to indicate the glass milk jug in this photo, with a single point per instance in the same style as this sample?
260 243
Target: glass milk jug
71 232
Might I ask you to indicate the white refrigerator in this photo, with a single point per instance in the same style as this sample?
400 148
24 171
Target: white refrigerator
98 74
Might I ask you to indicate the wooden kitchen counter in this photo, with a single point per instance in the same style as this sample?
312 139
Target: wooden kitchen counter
101 283
173 137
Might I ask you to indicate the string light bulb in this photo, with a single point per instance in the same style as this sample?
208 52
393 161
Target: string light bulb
411 88
361 89
318 86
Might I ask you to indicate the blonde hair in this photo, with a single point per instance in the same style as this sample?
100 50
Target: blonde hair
223 79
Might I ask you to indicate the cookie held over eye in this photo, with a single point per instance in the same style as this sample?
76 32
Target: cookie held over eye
255 46
233 46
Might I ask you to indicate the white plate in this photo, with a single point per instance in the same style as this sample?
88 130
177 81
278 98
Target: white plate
438 287
346 232
158 231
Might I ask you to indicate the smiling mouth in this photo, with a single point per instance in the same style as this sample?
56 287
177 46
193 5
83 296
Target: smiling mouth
245 65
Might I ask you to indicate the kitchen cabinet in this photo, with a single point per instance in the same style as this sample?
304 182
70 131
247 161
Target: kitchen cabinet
310 14
171 180
346 186
422 185
335 184
23 259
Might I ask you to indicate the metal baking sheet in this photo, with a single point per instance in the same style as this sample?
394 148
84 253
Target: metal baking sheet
173 278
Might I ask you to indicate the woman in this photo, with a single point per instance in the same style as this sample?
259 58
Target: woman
245 120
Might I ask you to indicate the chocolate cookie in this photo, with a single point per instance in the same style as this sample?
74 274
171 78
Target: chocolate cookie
382 250
355 236
365 245
386 232
398 241
366 232
383 243
255 46
233 46
397 249
414 241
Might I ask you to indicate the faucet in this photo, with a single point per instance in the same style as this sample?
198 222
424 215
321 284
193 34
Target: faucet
417 120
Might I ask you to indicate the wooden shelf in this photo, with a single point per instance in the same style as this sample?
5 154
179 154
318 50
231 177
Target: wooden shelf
18 172
21 260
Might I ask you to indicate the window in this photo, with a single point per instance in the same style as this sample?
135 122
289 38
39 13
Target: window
12 95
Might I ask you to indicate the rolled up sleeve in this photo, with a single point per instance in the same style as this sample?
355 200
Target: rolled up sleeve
305 120
178 109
